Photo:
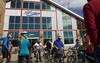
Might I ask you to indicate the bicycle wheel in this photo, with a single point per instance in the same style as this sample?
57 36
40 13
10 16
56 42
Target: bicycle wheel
71 59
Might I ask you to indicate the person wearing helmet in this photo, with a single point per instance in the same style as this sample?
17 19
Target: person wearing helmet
78 44
23 48
59 46
37 48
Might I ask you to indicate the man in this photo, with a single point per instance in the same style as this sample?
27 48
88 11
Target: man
48 45
5 46
78 44
59 46
92 23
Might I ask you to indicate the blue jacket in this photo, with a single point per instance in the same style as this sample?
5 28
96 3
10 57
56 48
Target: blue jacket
5 43
24 47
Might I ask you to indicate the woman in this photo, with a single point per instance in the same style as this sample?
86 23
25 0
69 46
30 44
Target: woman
23 48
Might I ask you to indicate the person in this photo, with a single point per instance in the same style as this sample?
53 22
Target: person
59 46
5 46
23 47
89 50
78 44
10 49
48 46
91 13
37 48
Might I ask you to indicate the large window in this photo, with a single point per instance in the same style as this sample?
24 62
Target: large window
31 5
67 23
31 23
68 37
46 23
45 6
15 35
47 35
16 4
14 22
34 34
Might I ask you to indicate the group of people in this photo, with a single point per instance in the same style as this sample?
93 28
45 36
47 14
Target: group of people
24 47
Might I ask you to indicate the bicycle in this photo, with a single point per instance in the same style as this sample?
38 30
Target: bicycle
74 56
58 57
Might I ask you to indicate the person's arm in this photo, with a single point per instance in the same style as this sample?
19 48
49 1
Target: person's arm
5 40
28 43
89 20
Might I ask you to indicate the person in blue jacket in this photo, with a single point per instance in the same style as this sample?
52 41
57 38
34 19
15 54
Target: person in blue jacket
5 46
23 48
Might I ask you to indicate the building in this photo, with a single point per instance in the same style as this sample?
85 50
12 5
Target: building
42 19
2 14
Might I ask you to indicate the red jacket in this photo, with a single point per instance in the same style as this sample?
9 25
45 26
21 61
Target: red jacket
92 21
90 48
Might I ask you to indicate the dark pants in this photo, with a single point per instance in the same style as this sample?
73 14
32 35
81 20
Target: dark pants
21 59
39 51
97 53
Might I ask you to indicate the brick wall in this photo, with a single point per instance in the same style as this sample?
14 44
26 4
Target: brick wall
2 14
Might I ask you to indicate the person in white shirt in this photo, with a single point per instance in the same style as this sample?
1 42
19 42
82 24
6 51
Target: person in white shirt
37 48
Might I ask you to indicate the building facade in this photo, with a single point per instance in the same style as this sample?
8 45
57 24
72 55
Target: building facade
2 13
41 20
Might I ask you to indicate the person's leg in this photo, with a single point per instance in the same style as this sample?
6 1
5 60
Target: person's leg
40 55
9 56
28 59
20 59
5 55
97 53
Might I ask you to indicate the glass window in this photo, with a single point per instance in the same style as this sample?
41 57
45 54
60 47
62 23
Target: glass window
25 5
67 23
11 20
48 6
37 5
37 26
31 19
16 35
43 19
46 23
17 26
34 34
31 5
13 3
11 26
48 20
24 26
44 26
68 37
31 26
18 3
17 19
37 19
43 5
25 19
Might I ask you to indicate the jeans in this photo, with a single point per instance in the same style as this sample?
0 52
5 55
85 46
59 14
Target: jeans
21 59
97 53
39 51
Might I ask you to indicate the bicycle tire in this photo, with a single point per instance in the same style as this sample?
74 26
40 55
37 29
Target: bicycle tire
71 59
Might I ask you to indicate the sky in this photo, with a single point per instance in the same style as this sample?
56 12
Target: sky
73 5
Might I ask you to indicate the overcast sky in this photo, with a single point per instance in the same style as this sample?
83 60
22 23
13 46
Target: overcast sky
74 5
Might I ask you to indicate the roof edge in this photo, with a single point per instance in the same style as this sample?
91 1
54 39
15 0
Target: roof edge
65 9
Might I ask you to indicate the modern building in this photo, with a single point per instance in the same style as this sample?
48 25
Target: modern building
42 19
